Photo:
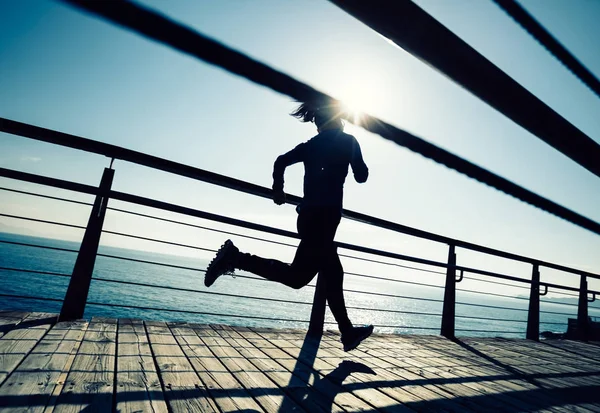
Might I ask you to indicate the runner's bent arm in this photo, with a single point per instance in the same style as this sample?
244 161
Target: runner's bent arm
294 156
359 167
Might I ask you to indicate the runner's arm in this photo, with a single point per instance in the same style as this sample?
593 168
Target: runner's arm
359 167
294 156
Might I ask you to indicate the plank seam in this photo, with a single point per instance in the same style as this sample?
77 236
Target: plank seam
114 392
158 371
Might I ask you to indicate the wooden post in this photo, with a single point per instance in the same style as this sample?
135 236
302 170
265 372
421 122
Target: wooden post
77 292
582 310
448 314
533 317
317 314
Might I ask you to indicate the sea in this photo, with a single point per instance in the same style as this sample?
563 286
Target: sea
173 290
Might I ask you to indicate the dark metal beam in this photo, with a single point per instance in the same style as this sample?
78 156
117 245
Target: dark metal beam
412 29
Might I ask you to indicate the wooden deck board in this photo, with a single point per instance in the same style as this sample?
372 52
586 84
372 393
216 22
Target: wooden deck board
136 371
109 365
16 344
31 386
228 393
90 381
184 391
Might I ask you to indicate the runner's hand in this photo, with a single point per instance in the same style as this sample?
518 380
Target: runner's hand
279 197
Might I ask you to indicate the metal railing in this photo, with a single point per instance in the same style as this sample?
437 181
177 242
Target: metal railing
75 300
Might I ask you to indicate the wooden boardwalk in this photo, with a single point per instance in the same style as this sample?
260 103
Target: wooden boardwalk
124 365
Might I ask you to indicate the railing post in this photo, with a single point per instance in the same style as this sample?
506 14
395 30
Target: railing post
77 292
317 314
533 317
448 314
582 310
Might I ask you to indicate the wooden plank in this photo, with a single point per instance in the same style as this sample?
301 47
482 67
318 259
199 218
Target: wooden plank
506 378
304 370
494 397
297 386
184 391
90 382
16 344
264 391
9 319
32 384
425 396
227 392
326 363
138 387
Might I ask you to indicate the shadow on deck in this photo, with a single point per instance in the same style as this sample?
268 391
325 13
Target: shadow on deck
128 365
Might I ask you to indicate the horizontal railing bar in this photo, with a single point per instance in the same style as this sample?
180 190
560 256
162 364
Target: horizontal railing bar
135 199
200 226
257 239
201 214
45 196
265 240
48 181
408 26
116 152
207 249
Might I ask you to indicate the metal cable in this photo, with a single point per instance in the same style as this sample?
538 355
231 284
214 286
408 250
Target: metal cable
552 302
491 306
393 280
37 246
58 274
267 240
494 294
554 312
191 225
495 282
63 224
238 315
550 43
261 279
490 331
253 297
258 298
28 297
156 26
45 196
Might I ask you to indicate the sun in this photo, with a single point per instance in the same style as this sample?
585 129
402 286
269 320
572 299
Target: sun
353 111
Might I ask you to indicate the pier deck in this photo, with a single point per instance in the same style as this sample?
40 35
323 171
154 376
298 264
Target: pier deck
127 365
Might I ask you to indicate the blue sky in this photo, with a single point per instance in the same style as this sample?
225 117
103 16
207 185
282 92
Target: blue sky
68 71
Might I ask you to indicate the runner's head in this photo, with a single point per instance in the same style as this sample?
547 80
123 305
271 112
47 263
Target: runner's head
326 115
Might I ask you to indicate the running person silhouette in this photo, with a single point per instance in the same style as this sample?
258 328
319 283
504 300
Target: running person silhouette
326 158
